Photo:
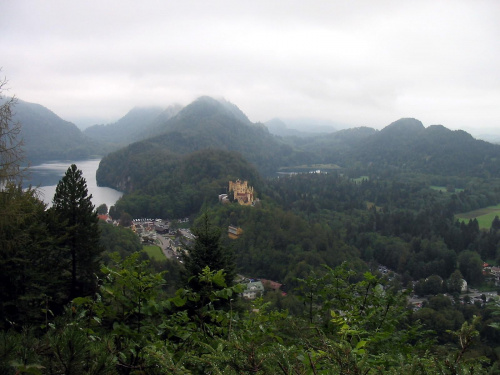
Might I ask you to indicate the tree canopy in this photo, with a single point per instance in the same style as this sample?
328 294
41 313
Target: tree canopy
79 223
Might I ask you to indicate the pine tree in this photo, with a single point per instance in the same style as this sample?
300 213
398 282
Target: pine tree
74 208
495 224
207 250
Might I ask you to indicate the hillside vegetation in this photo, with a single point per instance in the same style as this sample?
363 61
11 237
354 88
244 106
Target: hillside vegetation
48 137
166 185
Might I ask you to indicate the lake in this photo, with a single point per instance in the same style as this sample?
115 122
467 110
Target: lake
46 176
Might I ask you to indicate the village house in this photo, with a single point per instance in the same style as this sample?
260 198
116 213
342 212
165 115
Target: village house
234 232
271 285
223 198
254 289
105 217
493 272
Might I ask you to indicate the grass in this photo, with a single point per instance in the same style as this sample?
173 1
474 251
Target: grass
360 179
310 167
444 189
154 252
484 216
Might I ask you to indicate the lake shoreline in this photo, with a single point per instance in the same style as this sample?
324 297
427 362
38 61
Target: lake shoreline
44 178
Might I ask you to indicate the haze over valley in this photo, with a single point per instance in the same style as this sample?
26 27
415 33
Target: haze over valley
250 188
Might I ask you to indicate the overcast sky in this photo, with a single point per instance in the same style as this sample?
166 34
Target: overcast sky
353 62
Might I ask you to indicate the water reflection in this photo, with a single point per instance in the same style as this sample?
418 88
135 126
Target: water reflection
46 176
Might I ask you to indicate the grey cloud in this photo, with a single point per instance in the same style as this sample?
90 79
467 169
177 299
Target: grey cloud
363 63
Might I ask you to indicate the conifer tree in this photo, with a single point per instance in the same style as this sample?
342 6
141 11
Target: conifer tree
76 213
207 250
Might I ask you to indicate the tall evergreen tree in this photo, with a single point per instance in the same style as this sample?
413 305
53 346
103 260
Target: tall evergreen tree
74 208
207 250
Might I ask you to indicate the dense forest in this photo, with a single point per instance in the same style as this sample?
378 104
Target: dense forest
350 247
48 137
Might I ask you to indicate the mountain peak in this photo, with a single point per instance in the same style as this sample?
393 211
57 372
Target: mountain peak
206 107
404 126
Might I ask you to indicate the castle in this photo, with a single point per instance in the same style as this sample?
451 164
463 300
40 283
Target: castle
242 192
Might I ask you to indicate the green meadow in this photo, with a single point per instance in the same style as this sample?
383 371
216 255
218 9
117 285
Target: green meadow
360 179
310 167
484 216
444 189
154 252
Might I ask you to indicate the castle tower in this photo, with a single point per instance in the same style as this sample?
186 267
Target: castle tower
243 193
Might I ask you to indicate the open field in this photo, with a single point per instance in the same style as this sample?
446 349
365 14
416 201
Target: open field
484 216
154 252
444 189
360 179
309 167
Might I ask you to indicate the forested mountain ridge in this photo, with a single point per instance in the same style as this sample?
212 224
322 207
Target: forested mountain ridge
205 113
301 127
121 130
408 145
48 137
209 123
333 146
139 123
204 124
281 128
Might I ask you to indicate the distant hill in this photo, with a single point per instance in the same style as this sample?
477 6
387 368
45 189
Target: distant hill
492 138
406 145
313 125
333 147
409 146
299 127
204 124
389 144
138 124
278 127
48 137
